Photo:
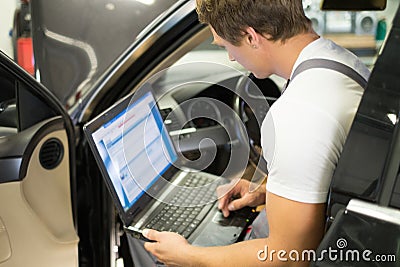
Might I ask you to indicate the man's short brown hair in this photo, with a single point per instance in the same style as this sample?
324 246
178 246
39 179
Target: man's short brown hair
279 19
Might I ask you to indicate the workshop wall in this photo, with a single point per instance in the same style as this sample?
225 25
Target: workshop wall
7 9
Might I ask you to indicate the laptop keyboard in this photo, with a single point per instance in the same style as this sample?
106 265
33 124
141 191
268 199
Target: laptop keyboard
184 213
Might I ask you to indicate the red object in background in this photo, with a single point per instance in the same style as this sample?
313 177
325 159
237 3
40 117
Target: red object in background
25 54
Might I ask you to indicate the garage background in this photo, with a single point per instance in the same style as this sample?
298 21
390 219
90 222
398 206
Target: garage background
7 9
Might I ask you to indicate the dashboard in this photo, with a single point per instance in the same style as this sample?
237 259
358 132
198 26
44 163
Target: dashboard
203 121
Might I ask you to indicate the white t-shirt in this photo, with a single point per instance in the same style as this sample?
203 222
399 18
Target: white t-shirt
304 131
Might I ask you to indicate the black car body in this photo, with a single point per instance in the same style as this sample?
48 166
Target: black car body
54 207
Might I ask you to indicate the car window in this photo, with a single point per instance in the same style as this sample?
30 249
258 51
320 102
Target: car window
197 49
8 119
362 32
206 51
19 107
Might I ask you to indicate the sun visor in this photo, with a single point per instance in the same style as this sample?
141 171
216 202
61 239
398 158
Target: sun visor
353 5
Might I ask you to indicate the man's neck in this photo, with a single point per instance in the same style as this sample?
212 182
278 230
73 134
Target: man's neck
285 54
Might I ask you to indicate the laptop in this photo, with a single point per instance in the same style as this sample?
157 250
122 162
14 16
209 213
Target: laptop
149 187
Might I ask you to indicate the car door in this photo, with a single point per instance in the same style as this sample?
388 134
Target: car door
36 175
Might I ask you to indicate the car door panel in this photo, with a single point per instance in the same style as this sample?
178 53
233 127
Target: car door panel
37 219
52 203
5 247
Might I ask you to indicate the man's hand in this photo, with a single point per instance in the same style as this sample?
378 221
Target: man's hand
166 247
241 190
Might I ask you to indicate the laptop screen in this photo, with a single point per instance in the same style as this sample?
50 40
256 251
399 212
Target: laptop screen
135 148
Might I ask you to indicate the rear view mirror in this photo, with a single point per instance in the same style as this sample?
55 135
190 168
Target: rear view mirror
353 5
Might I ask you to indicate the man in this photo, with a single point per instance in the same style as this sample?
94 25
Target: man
302 135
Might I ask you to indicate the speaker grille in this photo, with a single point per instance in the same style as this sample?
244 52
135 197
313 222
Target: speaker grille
51 153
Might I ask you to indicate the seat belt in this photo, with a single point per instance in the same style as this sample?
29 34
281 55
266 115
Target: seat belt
332 65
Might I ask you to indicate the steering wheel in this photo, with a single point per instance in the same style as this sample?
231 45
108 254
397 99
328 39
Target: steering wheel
252 101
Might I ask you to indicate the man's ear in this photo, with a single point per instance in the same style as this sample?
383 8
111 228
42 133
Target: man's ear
252 37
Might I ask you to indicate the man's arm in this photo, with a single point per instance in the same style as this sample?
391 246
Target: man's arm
293 228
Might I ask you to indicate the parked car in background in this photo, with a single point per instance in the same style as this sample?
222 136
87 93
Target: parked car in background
54 207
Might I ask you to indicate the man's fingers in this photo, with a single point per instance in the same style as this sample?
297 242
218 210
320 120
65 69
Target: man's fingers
223 196
238 203
151 234
223 202
234 205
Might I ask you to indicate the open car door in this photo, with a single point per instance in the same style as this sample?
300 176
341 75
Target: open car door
37 175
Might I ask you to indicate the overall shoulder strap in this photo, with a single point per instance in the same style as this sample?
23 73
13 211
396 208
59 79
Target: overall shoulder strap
332 65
